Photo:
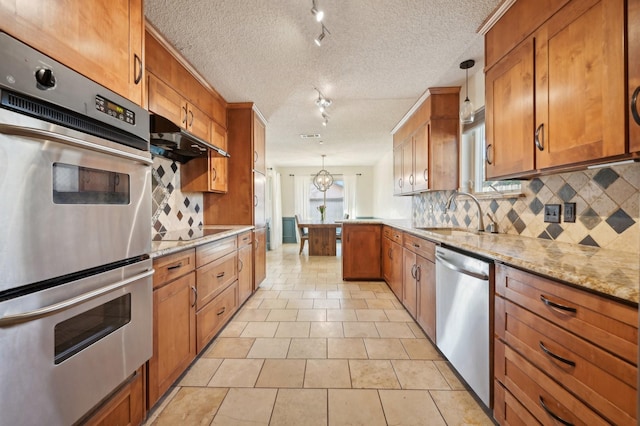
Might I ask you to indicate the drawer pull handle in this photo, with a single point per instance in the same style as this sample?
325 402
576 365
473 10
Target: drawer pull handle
195 296
221 311
416 245
240 265
220 275
557 305
552 414
634 105
537 139
558 357
176 266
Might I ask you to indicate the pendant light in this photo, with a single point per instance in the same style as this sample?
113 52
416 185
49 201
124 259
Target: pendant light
466 112
323 179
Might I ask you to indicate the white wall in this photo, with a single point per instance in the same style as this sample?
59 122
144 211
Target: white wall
385 205
364 194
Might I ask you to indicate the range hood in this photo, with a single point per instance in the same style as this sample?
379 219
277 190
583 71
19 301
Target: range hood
171 141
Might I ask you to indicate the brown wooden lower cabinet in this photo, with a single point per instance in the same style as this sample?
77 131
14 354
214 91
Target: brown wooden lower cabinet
392 265
260 256
426 309
361 252
126 407
211 318
561 352
245 267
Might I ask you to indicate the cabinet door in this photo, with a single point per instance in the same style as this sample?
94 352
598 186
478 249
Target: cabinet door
197 122
421 159
509 113
409 281
633 47
174 334
259 144
580 84
407 166
101 39
361 252
165 101
426 296
397 170
260 256
443 135
245 273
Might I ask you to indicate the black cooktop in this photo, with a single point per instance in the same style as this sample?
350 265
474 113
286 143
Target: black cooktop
187 234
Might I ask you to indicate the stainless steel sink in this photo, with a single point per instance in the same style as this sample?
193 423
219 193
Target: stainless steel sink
460 232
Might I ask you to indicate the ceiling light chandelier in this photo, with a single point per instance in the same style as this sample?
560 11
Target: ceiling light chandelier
466 112
322 35
323 179
316 12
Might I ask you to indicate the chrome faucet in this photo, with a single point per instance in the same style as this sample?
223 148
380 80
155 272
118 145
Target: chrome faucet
447 206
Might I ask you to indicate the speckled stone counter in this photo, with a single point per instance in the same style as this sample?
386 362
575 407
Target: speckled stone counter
607 272
162 248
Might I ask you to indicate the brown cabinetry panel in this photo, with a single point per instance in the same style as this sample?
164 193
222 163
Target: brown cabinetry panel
214 277
633 69
174 334
554 101
125 408
215 315
426 286
101 40
392 265
259 257
209 252
361 252
173 266
259 137
245 272
410 281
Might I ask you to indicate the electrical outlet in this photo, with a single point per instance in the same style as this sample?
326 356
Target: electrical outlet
569 212
552 213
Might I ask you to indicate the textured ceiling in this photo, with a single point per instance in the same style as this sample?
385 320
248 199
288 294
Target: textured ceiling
379 59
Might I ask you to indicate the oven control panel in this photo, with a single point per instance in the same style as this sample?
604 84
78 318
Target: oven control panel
115 110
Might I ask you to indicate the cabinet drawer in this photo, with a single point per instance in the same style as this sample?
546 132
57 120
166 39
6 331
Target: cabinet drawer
173 266
245 239
207 253
211 279
420 246
392 233
603 381
211 318
611 325
539 394
508 411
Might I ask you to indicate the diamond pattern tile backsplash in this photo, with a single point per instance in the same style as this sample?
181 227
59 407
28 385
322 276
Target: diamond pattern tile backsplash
172 209
607 208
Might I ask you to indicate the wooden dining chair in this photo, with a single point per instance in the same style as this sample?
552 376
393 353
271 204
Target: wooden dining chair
303 235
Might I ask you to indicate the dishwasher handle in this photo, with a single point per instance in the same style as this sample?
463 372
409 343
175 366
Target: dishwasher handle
448 264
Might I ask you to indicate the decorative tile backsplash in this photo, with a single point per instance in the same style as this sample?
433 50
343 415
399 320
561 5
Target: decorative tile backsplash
172 209
607 208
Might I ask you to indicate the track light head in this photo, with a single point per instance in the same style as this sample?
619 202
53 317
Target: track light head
319 39
319 14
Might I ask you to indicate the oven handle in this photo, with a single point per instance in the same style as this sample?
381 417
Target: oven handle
9 320
30 132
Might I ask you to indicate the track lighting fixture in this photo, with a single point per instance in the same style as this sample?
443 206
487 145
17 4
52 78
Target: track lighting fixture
316 12
322 35
466 112
325 119
322 102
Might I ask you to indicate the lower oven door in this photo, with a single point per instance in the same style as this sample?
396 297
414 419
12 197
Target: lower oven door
64 349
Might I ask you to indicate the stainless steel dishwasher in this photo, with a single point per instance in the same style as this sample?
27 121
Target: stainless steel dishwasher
463 285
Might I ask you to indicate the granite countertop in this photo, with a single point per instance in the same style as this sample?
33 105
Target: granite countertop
609 272
162 248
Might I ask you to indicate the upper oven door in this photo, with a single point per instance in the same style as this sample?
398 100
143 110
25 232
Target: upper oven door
71 201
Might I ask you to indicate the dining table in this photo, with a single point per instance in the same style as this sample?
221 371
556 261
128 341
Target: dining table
322 236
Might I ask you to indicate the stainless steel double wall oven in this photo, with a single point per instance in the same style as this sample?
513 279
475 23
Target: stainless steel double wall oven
75 273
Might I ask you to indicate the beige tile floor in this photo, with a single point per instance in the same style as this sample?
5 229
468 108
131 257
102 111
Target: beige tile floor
310 349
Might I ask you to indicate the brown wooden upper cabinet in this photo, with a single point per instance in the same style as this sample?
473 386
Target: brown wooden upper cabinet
633 69
100 39
425 155
165 101
554 102
259 136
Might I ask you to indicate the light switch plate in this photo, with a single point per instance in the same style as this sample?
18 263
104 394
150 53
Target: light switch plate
569 212
552 213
